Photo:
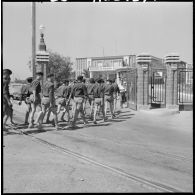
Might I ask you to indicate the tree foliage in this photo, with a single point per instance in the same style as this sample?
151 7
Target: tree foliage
59 65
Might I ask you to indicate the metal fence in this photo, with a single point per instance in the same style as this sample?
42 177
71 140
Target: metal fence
185 86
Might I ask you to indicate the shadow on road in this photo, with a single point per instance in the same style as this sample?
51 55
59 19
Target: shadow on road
121 117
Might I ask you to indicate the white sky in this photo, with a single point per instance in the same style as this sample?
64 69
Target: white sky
84 29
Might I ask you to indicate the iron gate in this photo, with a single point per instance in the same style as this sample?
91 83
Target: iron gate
157 87
132 88
185 86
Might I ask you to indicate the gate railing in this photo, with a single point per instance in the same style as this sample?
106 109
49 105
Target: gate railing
185 86
157 86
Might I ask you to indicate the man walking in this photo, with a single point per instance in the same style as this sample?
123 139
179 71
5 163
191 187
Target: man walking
63 93
35 97
48 101
25 91
116 94
79 92
7 105
90 86
98 99
108 97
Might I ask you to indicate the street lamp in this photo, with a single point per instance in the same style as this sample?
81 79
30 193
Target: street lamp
42 46
42 29
42 57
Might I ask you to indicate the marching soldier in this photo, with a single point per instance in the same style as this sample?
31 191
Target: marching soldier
79 92
35 97
98 91
108 97
90 86
25 91
48 101
7 105
116 94
63 93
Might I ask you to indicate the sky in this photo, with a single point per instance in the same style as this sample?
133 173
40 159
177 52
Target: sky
97 29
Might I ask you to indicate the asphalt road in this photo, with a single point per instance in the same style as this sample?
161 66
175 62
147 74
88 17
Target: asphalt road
145 151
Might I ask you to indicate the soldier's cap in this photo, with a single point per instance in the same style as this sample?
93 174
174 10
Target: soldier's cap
113 80
50 75
29 79
99 80
7 71
80 78
65 81
39 73
92 80
109 80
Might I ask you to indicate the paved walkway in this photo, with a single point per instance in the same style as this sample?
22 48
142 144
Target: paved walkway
155 145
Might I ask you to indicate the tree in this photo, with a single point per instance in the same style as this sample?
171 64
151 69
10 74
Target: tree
86 73
59 65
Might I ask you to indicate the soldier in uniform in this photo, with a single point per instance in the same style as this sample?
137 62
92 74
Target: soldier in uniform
35 97
98 91
63 93
108 97
48 101
90 86
116 94
7 105
25 91
79 92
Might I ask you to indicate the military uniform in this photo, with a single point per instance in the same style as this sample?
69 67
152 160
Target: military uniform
35 86
62 94
35 97
108 98
25 91
90 88
7 105
98 99
47 102
108 92
116 91
79 92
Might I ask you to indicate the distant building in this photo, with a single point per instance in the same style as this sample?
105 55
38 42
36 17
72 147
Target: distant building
81 64
105 67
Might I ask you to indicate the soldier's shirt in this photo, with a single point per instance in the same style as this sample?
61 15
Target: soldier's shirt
116 88
48 88
25 90
36 85
108 89
79 90
6 89
90 88
98 91
63 91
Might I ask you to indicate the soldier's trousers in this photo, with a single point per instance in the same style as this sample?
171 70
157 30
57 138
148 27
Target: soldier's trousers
78 108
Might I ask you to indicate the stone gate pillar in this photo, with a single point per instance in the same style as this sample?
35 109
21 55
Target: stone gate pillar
171 62
143 63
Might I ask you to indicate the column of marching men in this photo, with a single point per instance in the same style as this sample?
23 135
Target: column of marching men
70 95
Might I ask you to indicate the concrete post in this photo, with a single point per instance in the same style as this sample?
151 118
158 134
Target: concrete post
143 61
142 86
171 86
171 62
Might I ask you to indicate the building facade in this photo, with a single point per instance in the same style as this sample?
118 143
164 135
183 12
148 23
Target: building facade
105 67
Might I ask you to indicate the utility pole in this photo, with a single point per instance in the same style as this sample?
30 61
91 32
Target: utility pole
33 39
